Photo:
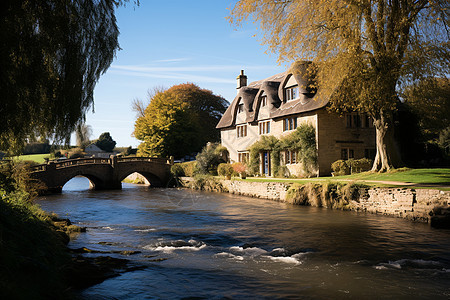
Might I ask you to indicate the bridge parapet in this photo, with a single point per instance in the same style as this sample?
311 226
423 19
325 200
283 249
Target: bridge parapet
144 159
81 161
69 163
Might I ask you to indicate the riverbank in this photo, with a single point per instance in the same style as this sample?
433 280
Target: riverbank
422 205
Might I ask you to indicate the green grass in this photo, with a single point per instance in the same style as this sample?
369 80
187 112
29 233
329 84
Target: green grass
38 158
418 177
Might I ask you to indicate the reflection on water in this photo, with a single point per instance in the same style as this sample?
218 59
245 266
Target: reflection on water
227 246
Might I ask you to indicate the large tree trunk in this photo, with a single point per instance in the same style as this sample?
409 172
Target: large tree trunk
388 155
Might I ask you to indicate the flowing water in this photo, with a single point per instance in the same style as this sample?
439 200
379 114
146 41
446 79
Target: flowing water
197 245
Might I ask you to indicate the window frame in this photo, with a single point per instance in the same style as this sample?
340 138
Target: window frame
244 157
264 101
240 108
290 157
241 131
347 153
291 93
264 127
290 123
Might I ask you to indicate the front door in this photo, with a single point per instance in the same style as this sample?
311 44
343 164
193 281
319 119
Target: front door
266 163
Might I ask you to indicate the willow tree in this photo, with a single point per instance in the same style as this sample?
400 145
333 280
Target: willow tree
52 53
364 52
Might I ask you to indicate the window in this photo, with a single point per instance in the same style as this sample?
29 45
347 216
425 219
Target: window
264 127
289 124
347 153
290 157
368 121
357 121
243 157
349 121
354 120
240 108
241 131
291 93
263 101
370 153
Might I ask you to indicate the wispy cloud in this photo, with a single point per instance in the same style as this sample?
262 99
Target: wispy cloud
172 60
185 73
204 68
179 76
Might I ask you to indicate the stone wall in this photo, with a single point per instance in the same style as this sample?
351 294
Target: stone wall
265 190
412 204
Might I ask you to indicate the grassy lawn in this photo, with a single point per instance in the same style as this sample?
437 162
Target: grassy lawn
422 176
415 176
39 158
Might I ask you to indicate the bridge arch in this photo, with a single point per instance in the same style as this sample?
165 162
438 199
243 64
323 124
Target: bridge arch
153 179
94 181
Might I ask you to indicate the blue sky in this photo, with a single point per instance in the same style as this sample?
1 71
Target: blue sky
170 42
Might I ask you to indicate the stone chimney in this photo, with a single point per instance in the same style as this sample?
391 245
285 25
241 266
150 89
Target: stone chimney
241 80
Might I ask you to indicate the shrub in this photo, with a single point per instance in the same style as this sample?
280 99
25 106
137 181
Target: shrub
177 170
207 183
189 168
225 169
332 195
240 168
340 167
359 165
209 159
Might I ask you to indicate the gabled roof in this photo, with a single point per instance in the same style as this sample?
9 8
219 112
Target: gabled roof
93 148
273 87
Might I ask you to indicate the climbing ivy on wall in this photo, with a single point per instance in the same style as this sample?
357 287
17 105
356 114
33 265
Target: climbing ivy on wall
266 143
302 140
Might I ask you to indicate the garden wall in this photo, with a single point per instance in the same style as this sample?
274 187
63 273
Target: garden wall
413 204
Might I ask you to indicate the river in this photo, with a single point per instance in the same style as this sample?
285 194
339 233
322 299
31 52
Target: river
198 245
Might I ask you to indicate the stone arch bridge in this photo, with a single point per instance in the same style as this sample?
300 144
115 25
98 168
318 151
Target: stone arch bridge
103 173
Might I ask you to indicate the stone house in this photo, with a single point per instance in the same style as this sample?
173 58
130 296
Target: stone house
277 106
94 151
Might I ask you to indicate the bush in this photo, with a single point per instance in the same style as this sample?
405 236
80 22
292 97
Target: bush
177 170
340 168
359 165
351 166
240 168
189 168
207 183
225 170
76 154
209 159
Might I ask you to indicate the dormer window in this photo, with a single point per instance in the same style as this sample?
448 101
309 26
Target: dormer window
240 108
291 93
263 101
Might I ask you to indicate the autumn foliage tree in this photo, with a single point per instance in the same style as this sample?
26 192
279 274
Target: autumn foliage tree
364 52
178 121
